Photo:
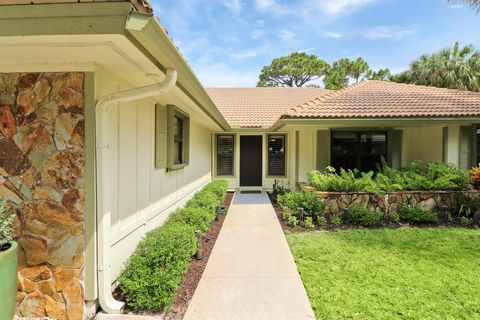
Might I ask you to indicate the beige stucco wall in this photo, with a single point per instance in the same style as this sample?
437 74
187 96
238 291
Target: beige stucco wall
143 196
421 141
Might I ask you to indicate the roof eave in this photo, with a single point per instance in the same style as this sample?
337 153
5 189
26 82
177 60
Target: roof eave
105 18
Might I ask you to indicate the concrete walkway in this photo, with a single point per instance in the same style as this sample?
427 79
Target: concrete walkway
251 274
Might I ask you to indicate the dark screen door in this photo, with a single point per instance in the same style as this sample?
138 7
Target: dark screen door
250 161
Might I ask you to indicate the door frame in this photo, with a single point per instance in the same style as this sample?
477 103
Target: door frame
262 142
234 180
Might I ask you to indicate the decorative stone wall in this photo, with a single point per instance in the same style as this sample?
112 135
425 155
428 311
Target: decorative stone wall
336 202
42 178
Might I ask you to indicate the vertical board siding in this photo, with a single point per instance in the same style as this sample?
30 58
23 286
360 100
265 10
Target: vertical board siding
142 195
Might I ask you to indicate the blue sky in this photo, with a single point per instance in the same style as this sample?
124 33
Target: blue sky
228 42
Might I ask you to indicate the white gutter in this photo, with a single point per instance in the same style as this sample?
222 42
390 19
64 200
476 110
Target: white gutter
104 205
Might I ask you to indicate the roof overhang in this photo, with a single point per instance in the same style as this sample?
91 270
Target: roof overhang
374 122
87 36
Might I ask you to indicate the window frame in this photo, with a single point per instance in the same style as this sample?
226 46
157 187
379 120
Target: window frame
234 163
358 132
285 160
172 113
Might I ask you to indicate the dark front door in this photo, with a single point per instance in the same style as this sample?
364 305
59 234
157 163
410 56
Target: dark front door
250 161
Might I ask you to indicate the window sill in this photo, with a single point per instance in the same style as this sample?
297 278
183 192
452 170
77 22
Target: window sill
177 166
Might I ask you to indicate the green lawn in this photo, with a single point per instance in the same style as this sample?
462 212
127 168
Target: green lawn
406 273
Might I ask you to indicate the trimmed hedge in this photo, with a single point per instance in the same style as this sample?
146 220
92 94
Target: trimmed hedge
151 276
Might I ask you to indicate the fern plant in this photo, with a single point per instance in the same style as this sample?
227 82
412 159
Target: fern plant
6 224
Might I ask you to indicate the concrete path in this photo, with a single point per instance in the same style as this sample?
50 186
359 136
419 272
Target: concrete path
251 274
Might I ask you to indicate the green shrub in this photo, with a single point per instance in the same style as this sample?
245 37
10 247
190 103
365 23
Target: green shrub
322 221
336 220
290 219
196 217
467 205
6 224
204 199
217 187
313 206
151 276
360 215
416 176
309 223
414 214
466 222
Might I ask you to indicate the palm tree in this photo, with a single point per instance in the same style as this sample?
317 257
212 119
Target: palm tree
473 3
455 68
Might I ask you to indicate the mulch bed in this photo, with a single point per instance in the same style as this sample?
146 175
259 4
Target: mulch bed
192 277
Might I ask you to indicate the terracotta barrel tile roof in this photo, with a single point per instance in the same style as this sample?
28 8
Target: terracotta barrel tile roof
259 107
141 5
382 99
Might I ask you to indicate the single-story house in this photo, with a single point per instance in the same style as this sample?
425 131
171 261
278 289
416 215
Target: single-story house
105 130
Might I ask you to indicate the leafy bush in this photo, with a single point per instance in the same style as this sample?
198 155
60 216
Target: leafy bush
6 224
362 216
322 221
290 219
309 223
309 201
466 222
336 220
475 177
416 176
466 205
416 215
204 199
196 217
151 276
217 187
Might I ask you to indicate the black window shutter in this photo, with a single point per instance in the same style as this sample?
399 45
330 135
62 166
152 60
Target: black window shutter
276 155
225 147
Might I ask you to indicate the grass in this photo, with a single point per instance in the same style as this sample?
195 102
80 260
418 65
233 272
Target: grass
406 273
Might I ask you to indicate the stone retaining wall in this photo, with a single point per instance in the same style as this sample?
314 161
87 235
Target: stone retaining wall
336 202
42 178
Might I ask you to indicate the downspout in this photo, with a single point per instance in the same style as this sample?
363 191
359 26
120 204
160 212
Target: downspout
104 205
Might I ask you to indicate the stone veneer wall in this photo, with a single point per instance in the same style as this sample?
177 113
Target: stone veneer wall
42 178
336 202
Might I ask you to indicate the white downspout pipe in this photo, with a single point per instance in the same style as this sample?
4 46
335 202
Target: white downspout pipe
104 205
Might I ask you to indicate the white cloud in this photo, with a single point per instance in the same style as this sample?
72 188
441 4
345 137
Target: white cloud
386 32
307 50
270 6
246 54
234 5
218 74
332 34
286 35
257 34
335 7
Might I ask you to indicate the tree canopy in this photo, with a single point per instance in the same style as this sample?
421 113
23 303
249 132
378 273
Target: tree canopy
300 69
294 70
457 67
